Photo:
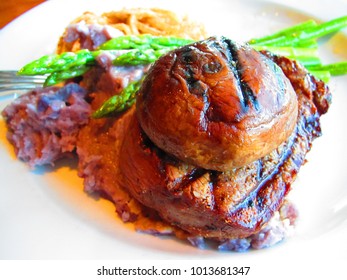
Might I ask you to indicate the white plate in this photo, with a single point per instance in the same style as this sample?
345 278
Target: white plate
44 214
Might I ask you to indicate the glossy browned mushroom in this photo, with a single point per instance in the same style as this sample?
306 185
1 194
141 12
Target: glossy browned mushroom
216 104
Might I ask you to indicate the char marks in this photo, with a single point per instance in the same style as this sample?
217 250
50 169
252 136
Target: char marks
236 67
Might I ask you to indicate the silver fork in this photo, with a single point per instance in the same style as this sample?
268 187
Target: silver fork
11 83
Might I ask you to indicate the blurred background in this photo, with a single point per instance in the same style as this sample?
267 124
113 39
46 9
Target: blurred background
10 9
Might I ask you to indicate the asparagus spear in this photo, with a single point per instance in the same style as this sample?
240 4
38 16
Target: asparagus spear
306 56
119 103
140 57
300 35
335 69
299 42
57 63
148 48
60 76
267 40
143 42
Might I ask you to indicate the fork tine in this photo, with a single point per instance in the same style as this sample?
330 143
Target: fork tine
12 80
20 86
8 73
11 75
11 83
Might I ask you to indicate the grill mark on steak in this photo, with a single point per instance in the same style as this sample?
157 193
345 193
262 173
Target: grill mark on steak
257 196
213 184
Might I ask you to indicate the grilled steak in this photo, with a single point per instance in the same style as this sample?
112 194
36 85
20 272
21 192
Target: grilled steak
230 204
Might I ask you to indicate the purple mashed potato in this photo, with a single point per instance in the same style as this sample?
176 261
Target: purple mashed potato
43 124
